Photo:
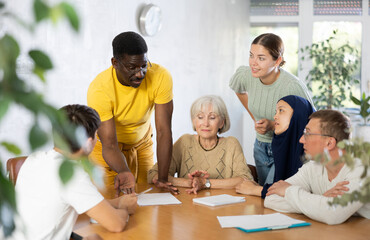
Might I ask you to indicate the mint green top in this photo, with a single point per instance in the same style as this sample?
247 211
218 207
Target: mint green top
262 98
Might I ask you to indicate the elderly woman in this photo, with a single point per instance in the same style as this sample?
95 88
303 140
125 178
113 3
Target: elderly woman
206 160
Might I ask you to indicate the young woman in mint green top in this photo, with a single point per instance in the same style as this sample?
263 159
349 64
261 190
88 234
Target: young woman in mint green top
259 86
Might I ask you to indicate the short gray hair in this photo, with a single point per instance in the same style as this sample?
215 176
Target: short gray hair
218 106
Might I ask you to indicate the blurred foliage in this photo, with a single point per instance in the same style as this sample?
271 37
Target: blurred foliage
364 103
353 150
356 149
333 68
15 90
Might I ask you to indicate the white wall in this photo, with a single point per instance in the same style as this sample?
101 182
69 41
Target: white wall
201 43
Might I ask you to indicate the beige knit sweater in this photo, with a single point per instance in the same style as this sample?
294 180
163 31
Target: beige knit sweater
226 160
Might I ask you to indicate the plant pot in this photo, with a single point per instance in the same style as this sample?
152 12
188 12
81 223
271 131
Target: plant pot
362 131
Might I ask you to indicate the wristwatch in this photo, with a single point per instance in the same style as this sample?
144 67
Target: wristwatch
208 184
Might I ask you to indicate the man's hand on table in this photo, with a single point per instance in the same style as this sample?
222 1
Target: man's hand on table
166 186
278 188
124 182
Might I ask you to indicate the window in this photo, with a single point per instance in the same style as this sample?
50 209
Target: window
337 7
347 31
274 7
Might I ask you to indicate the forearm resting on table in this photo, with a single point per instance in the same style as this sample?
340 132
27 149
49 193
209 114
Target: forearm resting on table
227 183
114 220
178 182
317 207
249 187
114 202
277 203
215 183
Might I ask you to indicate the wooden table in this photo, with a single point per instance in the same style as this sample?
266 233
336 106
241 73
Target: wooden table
193 221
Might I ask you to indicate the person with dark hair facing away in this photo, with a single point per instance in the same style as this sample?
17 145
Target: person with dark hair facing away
311 189
292 113
47 207
125 96
259 86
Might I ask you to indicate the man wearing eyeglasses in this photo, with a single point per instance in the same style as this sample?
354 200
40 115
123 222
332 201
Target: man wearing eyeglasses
125 96
310 190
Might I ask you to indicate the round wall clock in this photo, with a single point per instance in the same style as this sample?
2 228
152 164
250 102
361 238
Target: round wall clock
150 20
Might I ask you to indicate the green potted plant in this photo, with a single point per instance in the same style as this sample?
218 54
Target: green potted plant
333 65
363 130
364 103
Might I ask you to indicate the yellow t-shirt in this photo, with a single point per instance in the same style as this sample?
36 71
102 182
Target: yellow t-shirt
130 107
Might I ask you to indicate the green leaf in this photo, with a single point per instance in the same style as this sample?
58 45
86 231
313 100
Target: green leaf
11 147
40 73
66 171
41 59
7 203
56 13
341 145
355 100
71 15
2 5
37 137
7 192
9 47
41 10
87 165
31 100
4 106
363 96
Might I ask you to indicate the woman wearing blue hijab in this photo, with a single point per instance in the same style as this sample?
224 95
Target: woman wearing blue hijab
291 118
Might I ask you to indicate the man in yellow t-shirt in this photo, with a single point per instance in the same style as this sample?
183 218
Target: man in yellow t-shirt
125 95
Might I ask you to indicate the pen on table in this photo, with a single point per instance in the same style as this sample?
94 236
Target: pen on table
137 194
149 189
274 228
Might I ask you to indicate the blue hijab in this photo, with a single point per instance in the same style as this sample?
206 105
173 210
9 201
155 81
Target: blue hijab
286 148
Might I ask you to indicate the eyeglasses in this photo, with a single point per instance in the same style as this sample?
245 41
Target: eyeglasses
307 134
133 70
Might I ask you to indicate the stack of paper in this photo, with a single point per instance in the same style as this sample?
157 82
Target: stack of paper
254 223
218 200
150 199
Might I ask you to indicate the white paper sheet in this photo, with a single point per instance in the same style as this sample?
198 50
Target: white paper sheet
218 200
150 199
257 221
